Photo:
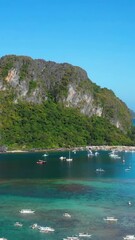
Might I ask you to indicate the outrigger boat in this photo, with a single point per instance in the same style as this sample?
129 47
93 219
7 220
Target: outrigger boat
111 219
26 211
46 229
84 235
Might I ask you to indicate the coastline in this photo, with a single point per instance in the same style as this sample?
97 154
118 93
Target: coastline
93 148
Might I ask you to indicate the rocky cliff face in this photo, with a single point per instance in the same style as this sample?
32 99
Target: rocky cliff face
37 80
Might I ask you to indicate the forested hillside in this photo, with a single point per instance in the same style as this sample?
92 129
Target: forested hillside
50 125
49 105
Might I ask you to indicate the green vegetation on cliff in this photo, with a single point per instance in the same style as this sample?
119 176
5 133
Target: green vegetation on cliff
44 104
50 125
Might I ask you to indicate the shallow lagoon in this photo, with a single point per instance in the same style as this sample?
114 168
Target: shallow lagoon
74 187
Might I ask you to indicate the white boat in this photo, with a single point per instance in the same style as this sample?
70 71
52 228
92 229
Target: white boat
72 238
74 151
111 219
62 158
129 237
46 229
18 224
45 155
26 211
67 215
96 153
127 169
114 155
69 159
90 153
84 235
100 170
34 226
3 238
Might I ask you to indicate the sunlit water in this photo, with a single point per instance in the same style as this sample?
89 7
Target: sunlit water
73 187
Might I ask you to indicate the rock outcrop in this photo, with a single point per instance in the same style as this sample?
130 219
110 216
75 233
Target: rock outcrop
36 81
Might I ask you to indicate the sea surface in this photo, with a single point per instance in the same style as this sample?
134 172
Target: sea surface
59 187
133 121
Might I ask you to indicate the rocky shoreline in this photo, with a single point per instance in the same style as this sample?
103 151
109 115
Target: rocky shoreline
93 148
113 148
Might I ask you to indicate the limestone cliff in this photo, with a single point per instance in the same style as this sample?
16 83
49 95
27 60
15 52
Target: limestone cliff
37 80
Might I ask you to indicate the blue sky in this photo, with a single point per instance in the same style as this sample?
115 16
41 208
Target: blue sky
97 35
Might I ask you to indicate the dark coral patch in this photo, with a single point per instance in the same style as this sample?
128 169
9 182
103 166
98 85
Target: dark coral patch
75 188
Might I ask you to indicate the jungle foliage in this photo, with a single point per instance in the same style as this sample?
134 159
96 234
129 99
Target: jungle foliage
33 113
50 125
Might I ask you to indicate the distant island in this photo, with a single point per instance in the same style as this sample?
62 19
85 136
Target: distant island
47 105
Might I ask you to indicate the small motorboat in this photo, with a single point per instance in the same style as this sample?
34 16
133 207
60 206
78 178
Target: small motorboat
62 158
67 215
127 169
3 238
46 229
111 219
26 211
41 162
69 159
45 155
84 235
100 170
114 155
90 153
72 238
129 237
18 224
74 151
34 226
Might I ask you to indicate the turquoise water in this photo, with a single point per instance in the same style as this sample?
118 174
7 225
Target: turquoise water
133 121
74 187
